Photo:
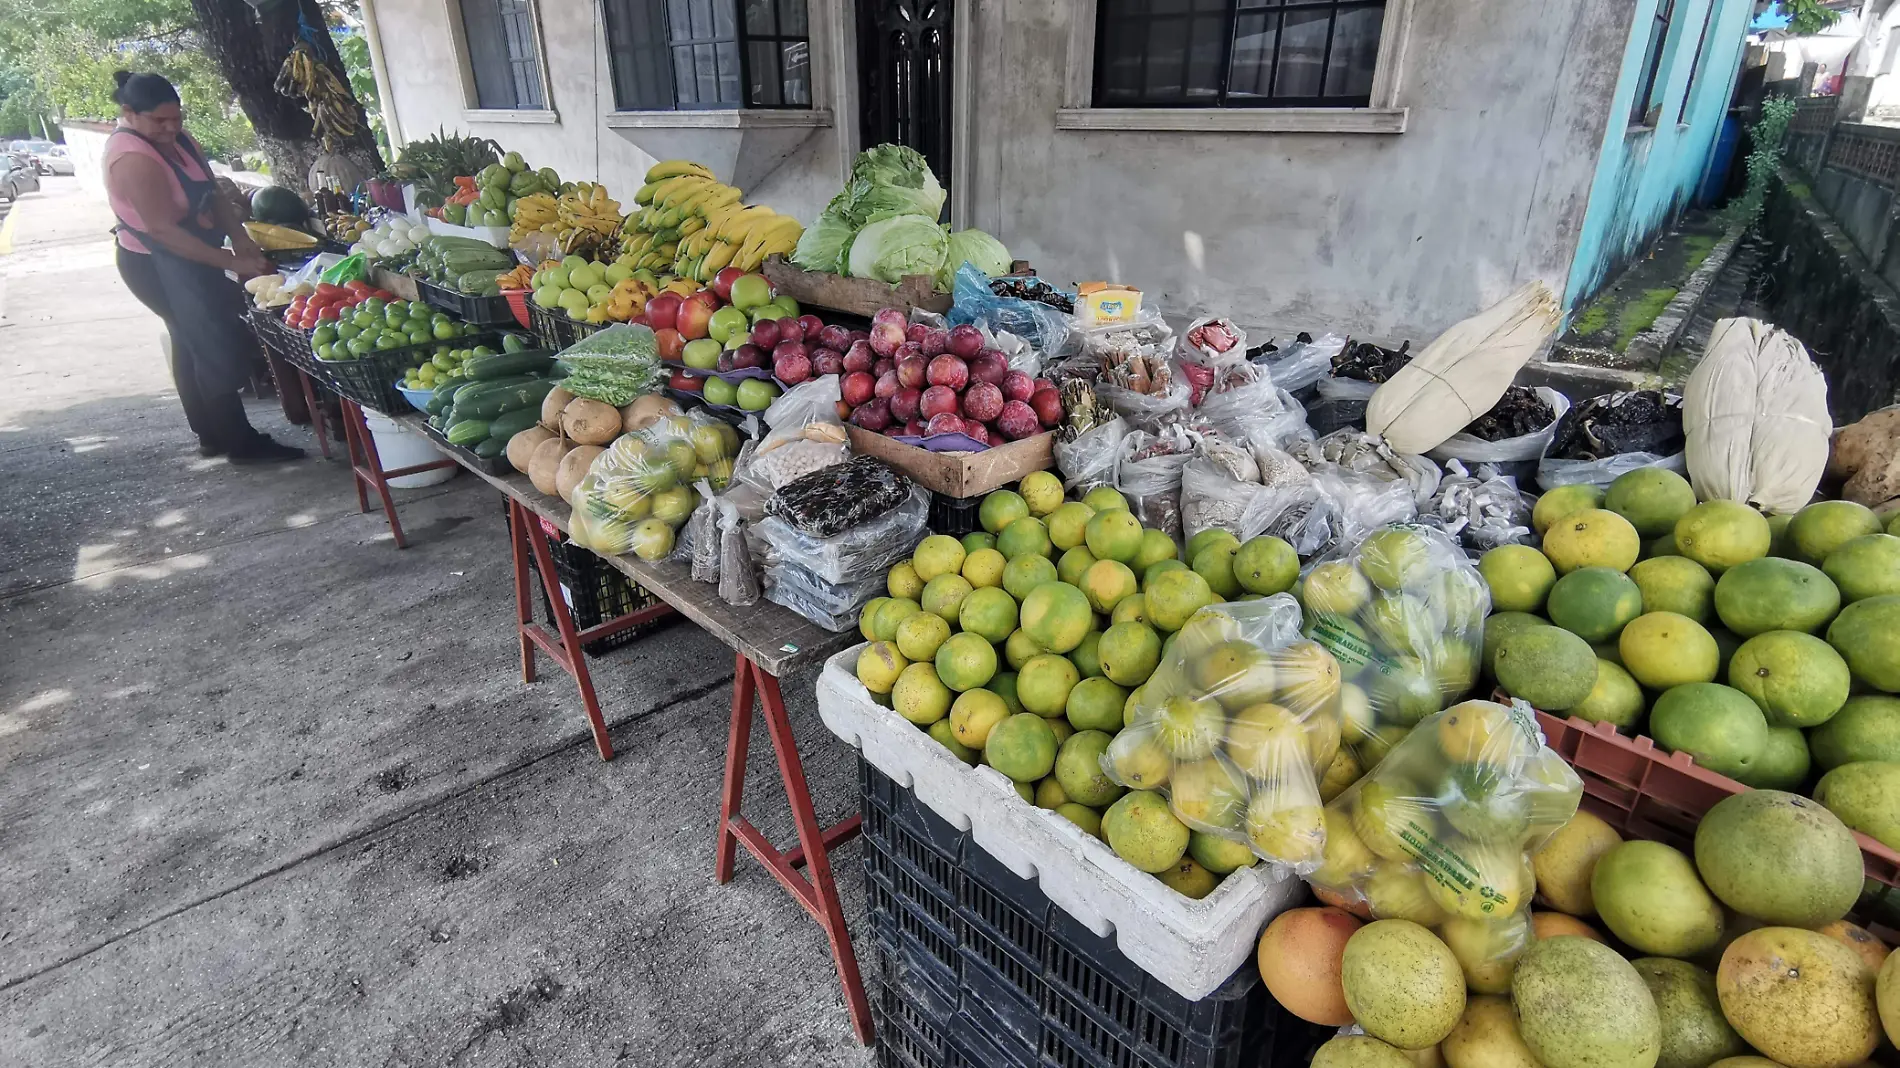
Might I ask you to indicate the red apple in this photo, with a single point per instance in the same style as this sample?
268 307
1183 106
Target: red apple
965 341
641 319
833 337
694 315
1018 386
885 337
937 400
857 387
915 332
1047 404
684 382
982 402
947 423
904 403
936 341
948 370
765 333
670 343
914 428
748 356
663 310
886 385
722 282
874 414
706 297
811 325
977 432
989 366
914 372
793 369
859 357
1018 421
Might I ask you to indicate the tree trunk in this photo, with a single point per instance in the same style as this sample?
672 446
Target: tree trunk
249 46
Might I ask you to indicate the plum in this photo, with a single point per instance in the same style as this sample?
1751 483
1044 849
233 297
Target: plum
886 385
883 365
982 402
859 356
857 387
747 356
1043 383
874 414
889 315
843 410
789 329
1047 404
792 369
948 370
937 400
724 362
914 428
905 403
916 332
857 335
947 423
913 372
885 337
827 361
834 337
790 348
1018 421
989 366
936 341
907 350
979 433
765 334
965 341
811 325
1018 386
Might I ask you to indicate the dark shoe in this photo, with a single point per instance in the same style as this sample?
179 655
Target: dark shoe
265 451
208 449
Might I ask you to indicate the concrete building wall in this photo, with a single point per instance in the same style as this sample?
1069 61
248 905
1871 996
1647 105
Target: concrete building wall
1646 175
1390 235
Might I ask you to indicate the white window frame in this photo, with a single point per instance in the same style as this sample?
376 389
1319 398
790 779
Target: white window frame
1384 116
472 111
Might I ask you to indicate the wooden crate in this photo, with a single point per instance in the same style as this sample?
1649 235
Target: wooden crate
400 284
959 474
856 296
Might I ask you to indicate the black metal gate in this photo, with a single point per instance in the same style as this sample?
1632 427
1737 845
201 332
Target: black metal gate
904 56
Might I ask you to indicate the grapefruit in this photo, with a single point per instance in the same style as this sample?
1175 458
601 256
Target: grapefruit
1863 567
1564 501
965 661
1128 653
1866 728
1207 795
1082 816
1593 537
1872 951
1113 535
974 714
919 696
1717 725
867 617
1084 656
1266 564
1041 491
1335 588
1044 682
1095 704
1401 983
1021 747
938 554
1867 635
1581 1005
1779 857
1003 685
1775 594
1799 997
1559 925
921 634
1821 528
946 735
977 540
1073 564
1360 1051
943 596
983 568
1189 879
1024 537
1220 855
1019 648
1675 584
1397 557
1067 524
1651 498
1105 499
1720 534
903 581
1595 603
1210 536
1518 576
1057 616
1025 573
891 612
1300 958
1174 596
989 612
1664 649
1215 563
1156 548
1106 582
1487 949
879 665
1796 679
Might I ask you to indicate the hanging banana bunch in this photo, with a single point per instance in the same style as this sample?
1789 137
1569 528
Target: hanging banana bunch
333 110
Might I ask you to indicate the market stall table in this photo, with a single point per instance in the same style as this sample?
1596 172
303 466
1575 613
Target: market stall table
767 640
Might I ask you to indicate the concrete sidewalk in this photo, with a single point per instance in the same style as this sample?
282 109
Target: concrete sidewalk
272 792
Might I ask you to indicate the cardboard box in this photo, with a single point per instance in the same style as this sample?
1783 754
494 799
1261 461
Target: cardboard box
959 474
400 284
856 296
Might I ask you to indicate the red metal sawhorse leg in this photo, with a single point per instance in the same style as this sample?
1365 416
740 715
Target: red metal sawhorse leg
819 893
367 467
530 543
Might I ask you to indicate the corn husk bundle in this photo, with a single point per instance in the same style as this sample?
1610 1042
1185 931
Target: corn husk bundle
1754 413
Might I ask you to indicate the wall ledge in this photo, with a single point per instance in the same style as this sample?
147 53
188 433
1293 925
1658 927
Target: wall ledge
720 119
1236 120
546 116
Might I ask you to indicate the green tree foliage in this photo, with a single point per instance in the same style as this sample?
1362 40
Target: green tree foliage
1808 16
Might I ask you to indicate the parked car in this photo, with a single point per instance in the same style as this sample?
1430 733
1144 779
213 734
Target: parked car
17 175
47 157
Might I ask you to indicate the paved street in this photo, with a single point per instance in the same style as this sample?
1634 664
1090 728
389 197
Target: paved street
273 793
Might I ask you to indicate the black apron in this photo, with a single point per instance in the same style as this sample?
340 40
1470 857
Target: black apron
208 320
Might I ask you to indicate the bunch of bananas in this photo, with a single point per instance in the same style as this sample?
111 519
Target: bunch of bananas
694 225
333 110
531 213
588 207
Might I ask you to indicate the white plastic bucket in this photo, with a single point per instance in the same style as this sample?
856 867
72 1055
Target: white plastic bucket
399 447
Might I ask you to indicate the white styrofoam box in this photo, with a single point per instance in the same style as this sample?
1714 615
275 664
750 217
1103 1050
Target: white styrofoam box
1192 946
494 235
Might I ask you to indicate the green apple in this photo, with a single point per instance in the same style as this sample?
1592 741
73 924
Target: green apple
701 354
720 391
617 272
727 323
557 277
584 277
787 306
756 394
600 292
571 262
548 297
750 291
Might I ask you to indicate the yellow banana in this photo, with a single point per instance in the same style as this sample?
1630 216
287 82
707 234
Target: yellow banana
737 226
720 255
674 167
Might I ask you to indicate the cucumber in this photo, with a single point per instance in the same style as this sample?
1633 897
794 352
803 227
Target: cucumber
467 433
474 390
444 395
491 447
509 423
491 403
508 364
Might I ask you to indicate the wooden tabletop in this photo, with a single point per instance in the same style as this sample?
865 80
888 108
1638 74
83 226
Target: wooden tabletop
770 635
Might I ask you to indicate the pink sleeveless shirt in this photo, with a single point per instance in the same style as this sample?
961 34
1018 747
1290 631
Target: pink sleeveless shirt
128 145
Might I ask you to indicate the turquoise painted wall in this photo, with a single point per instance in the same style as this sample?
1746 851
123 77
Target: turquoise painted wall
1644 176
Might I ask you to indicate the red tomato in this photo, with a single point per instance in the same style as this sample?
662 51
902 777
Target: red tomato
356 285
382 294
326 289
328 315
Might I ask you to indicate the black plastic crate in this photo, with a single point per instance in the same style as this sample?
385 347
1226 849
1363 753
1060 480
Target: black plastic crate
492 465
554 328
597 592
1032 986
471 308
370 379
955 516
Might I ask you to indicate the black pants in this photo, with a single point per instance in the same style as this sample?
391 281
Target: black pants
216 415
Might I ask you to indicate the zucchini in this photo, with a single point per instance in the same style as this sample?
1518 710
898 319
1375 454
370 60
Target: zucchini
506 364
467 433
509 423
490 447
491 403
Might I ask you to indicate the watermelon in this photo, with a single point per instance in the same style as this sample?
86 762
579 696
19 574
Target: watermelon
276 204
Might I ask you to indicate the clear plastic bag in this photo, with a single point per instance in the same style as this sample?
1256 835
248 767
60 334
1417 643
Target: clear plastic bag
1345 389
738 577
806 435
1044 327
1358 504
702 534
817 598
855 553
1481 508
1476 450
1089 460
1235 726
1145 411
1553 472
638 493
1303 363
1358 451
1211 497
1214 342
1403 611
1149 475
1441 832
1253 409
